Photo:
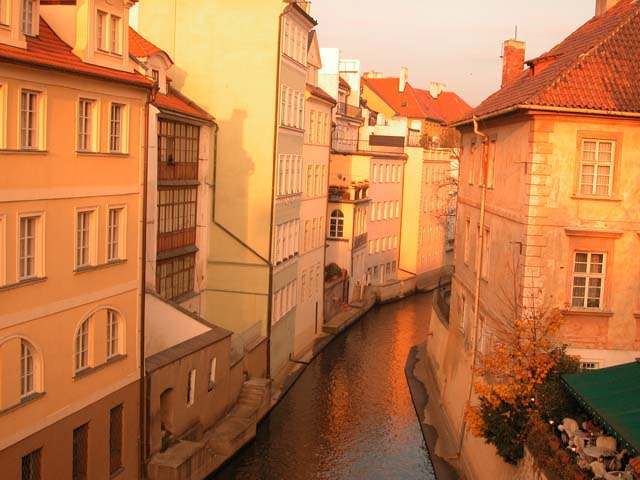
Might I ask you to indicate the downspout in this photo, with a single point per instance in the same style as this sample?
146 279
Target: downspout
144 439
276 123
476 301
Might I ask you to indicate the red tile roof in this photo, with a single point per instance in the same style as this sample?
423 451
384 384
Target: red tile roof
635 465
417 103
49 51
344 84
141 47
320 93
405 104
597 67
177 102
446 108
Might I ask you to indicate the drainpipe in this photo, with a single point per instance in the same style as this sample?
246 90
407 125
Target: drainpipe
476 302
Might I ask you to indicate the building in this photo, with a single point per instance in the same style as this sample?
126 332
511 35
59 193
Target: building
561 225
72 113
251 285
420 117
313 210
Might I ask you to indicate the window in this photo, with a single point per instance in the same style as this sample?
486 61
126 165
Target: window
82 347
115 439
486 255
101 38
115 234
175 276
491 164
336 225
596 169
114 35
467 240
177 209
374 177
85 113
178 150
29 119
379 210
26 370
588 280
115 128
80 452
85 250
31 466
585 366
310 183
287 242
29 247
27 17
289 175
212 373
113 341
397 208
191 387
284 300
472 160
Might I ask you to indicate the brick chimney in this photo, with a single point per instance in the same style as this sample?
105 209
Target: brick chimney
404 78
603 5
512 61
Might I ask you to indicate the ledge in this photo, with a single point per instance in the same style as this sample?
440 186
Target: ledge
602 199
24 401
592 232
23 151
89 370
587 313
90 268
23 283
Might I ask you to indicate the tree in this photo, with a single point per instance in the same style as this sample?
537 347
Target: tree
512 380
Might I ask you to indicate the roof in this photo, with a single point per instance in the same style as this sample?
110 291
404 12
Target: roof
597 67
612 395
344 83
141 47
49 51
177 102
447 107
320 93
405 104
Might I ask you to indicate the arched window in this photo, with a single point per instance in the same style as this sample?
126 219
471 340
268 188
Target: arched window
27 375
113 334
81 352
336 227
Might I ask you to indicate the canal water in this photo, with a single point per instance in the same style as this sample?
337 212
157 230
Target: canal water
350 415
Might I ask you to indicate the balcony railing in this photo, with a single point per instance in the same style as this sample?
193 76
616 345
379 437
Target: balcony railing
349 110
413 139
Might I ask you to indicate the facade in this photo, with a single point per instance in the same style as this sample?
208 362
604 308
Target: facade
251 285
313 209
560 227
71 143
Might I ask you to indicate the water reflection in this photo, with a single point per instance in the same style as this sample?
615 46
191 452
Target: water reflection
350 415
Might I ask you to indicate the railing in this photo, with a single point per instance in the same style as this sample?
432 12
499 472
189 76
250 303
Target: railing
178 171
349 110
413 139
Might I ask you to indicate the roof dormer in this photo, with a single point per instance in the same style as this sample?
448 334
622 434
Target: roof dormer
153 61
19 19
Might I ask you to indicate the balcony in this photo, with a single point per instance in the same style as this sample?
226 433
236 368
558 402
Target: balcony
352 193
349 111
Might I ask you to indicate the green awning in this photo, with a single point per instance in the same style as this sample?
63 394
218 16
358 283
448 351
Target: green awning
612 396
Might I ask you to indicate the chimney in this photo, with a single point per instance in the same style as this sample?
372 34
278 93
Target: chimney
435 89
404 78
603 5
512 61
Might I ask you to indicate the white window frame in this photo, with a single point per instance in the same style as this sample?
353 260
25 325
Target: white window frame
87 126
82 346
587 365
213 363
28 17
27 369
122 136
91 240
115 42
38 246
120 233
102 18
487 253
596 164
29 119
114 337
588 275
191 387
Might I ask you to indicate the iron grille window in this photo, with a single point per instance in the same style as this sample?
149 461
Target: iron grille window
115 439
80 450
31 466
177 208
175 276
177 147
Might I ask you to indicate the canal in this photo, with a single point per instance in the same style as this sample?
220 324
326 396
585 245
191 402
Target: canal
350 414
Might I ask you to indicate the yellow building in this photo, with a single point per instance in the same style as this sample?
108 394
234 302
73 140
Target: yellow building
247 62
72 113
561 211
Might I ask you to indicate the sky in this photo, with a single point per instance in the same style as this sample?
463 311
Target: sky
457 42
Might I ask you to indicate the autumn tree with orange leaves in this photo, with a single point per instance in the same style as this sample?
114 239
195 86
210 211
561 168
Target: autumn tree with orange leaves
510 380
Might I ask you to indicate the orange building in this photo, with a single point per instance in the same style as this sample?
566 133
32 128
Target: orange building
561 226
71 143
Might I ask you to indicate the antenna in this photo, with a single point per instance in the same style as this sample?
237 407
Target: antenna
516 35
